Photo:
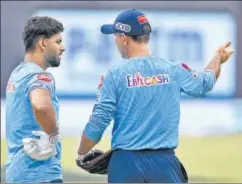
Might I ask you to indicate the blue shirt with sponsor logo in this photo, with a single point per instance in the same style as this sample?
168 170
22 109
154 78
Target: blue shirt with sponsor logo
142 96
20 122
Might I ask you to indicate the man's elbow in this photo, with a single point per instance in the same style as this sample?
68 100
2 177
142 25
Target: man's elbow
210 81
205 86
209 88
199 92
94 131
204 91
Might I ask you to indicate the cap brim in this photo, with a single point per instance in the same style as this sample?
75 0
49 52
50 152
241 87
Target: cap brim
107 29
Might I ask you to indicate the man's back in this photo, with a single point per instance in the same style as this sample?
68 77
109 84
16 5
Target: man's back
143 97
148 104
20 122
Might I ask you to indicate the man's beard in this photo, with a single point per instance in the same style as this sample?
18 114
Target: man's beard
53 61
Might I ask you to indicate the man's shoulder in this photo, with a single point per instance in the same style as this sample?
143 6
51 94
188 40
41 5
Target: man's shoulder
121 66
28 70
116 67
169 62
126 64
25 69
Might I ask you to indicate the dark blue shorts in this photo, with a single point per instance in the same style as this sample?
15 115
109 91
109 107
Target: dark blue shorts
56 181
146 166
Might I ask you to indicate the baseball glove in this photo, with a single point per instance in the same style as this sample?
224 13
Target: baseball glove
95 162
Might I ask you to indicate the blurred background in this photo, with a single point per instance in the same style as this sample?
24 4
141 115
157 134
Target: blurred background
210 127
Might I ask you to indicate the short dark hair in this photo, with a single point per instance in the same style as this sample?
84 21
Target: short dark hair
40 27
145 37
142 38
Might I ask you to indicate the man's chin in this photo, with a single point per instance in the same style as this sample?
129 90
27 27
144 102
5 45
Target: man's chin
54 64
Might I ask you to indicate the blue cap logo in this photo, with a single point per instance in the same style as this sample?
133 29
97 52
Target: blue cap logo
122 27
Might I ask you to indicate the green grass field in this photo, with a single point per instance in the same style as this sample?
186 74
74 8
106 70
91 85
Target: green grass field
207 159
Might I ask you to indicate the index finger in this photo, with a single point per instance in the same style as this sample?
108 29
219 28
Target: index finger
227 44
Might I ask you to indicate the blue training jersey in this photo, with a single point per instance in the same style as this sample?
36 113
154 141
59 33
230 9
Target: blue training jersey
20 122
142 96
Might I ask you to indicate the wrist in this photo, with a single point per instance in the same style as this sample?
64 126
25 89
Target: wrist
54 138
81 156
81 153
218 58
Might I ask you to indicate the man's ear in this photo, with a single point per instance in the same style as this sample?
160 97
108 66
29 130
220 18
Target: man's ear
125 39
129 39
42 43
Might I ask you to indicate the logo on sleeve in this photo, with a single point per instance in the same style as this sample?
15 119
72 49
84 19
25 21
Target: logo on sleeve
10 87
44 77
186 67
100 84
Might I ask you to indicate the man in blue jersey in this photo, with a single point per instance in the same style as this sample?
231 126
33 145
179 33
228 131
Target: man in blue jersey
142 96
32 108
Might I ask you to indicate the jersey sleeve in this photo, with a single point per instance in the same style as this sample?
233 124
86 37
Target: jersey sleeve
42 80
195 83
103 110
